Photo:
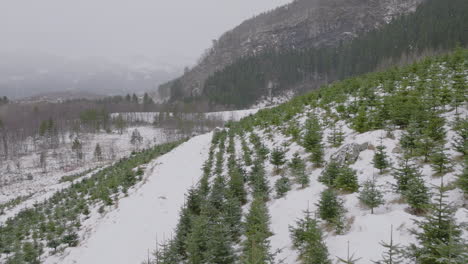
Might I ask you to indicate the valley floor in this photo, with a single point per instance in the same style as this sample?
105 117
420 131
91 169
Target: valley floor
126 234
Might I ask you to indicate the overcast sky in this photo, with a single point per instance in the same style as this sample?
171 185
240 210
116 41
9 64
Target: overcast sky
174 30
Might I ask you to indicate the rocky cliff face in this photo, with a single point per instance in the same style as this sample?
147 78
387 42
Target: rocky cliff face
301 24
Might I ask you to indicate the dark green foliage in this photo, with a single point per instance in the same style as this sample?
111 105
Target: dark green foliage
258 180
462 181
330 173
409 140
440 161
330 209
340 177
70 239
256 247
460 142
197 242
236 185
438 235
381 160
308 240
370 195
282 186
312 140
297 167
336 136
436 25
417 194
346 180
278 158
404 173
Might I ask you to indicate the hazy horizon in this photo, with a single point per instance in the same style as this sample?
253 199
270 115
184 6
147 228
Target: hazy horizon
175 32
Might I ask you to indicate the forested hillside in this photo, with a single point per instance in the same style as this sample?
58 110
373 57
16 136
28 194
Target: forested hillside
327 176
437 25
299 25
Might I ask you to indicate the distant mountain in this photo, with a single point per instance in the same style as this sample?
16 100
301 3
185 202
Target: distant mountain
301 24
31 74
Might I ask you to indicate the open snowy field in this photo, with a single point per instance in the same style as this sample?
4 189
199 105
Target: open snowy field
31 181
151 210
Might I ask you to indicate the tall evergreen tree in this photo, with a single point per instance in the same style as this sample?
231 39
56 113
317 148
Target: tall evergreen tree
417 194
282 186
278 158
308 240
440 160
370 195
404 173
336 137
312 140
460 141
256 247
331 210
381 160
297 168
436 233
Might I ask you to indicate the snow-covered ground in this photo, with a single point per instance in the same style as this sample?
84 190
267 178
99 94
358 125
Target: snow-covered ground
31 181
126 234
149 117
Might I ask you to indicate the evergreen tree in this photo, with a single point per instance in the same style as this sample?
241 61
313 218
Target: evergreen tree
282 186
236 185
308 239
232 216
438 235
417 194
370 195
197 242
330 209
404 173
330 173
440 160
462 181
336 137
278 158
460 142
381 160
297 167
350 259
258 181
346 180
77 148
98 153
219 245
256 247
312 140
410 138
392 255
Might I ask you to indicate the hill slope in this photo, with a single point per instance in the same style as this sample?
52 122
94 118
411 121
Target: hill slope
301 24
402 132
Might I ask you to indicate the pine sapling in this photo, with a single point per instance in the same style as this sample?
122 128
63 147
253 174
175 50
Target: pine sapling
370 195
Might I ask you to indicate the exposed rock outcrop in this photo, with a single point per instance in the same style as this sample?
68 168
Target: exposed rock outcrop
348 153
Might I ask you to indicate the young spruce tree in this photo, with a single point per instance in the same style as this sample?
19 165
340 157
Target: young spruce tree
308 240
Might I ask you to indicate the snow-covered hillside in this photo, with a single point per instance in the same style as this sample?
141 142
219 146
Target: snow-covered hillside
236 194
150 211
